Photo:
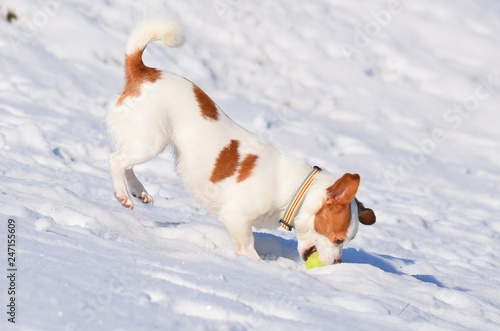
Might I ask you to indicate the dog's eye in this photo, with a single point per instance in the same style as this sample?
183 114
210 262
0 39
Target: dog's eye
338 241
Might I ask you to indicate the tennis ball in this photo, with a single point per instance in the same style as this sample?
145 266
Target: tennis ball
313 261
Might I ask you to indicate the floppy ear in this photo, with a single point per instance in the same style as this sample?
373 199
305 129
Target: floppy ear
343 190
366 216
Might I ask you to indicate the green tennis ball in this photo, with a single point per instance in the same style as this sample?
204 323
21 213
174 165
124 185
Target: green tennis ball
313 261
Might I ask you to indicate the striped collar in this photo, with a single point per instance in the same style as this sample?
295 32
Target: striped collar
293 208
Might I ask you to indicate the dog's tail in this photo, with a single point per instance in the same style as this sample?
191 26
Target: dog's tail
165 27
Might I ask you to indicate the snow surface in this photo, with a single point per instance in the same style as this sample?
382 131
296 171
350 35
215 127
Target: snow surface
405 93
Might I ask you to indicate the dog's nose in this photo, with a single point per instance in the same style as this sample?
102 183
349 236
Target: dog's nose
337 261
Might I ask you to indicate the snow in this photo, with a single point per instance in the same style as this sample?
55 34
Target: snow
404 93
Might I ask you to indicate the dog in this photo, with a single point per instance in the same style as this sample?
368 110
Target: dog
233 174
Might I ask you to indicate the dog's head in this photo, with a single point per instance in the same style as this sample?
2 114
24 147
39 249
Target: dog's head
335 222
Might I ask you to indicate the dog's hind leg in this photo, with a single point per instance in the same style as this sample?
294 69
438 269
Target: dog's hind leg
118 167
130 153
136 188
139 133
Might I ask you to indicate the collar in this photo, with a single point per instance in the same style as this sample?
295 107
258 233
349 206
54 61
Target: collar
293 208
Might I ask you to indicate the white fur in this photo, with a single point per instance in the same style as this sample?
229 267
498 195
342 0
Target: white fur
166 112
167 28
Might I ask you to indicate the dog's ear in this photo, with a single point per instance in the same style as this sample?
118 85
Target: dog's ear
366 216
343 190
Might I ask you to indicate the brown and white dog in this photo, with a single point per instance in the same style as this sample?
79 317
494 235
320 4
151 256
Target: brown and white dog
230 171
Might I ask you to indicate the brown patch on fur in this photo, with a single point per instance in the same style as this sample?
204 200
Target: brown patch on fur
344 189
366 216
207 106
333 218
136 73
332 221
246 167
226 163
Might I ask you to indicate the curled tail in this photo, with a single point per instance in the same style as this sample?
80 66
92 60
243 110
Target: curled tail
165 27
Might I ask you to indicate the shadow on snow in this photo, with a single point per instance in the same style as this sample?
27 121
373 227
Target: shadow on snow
351 255
271 247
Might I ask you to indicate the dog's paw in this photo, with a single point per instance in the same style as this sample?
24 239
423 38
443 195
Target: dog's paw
144 197
125 201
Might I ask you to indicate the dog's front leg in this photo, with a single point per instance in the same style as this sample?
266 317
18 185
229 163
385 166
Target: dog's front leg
241 234
136 188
